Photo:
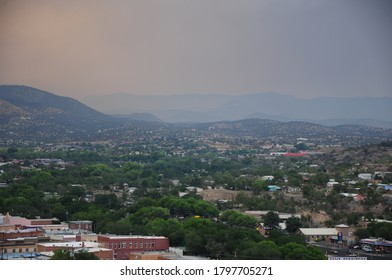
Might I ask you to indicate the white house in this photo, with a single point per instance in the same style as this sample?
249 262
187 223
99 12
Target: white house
365 176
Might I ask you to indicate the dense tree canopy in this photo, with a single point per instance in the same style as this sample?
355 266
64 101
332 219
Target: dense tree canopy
271 220
293 224
69 255
136 189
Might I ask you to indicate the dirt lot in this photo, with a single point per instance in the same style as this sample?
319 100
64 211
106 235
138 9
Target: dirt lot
219 194
317 218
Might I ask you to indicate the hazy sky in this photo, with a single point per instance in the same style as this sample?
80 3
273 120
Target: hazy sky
306 48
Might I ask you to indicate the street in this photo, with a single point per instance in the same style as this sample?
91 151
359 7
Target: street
334 250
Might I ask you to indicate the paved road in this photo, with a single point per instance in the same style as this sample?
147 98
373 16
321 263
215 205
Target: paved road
336 251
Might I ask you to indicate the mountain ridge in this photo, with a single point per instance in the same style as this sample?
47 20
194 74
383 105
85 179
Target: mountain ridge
29 114
30 98
214 107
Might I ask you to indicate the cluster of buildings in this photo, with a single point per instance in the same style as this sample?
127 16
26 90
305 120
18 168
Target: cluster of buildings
343 236
340 234
22 238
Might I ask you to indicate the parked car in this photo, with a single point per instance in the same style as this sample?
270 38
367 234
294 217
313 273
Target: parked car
367 248
351 253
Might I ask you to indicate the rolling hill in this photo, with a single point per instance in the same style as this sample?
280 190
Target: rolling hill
28 112
32 115
376 111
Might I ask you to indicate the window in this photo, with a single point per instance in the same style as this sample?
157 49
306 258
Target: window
135 244
153 244
141 244
130 244
124 244
115 245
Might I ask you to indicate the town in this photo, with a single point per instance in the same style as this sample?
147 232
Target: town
201 194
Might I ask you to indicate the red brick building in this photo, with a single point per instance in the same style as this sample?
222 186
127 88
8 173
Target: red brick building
42 222
21 233
81 225
124 245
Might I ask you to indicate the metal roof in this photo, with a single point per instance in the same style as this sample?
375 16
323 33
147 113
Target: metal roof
376 242
133 237
319 231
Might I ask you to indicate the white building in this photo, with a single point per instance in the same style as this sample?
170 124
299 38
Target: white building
365 176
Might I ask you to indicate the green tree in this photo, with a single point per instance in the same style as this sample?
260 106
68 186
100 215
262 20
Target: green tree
259 186
195 243
109 201
170 228
61 255
79 255
280 237
178 207
353 218
271 220
295 251
301 147
121 227
84 255
381 230
293 224
205 209
146 214
263 250
237 219
12 150
362 233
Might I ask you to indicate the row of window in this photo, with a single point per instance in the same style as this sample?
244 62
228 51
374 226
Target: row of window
135 245
20 250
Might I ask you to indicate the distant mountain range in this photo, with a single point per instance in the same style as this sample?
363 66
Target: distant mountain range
148 117
374 111
32 115
271 129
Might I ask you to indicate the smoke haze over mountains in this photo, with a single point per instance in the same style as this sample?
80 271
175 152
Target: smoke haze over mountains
305 48
374 111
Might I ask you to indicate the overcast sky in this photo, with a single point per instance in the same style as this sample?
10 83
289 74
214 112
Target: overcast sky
305 48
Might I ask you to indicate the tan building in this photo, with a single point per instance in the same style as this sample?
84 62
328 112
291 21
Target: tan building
318 234
16 248
91 247
340 234
147 256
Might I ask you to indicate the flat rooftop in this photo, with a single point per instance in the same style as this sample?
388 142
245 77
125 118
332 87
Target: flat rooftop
132 237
